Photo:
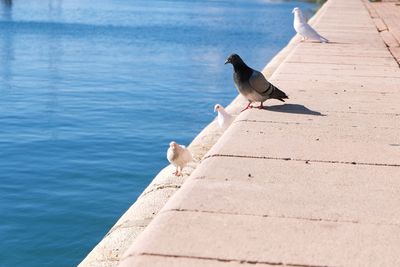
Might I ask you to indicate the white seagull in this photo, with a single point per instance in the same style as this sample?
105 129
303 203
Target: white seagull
178 156
304 29
224 118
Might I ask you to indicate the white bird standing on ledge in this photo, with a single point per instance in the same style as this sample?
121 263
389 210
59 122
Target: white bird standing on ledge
304 29
178 156
224 118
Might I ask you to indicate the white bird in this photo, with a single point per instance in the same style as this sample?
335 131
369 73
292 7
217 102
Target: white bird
178 156
304 29
224 118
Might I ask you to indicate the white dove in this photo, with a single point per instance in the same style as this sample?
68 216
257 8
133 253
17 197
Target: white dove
224 118
304 29
178 156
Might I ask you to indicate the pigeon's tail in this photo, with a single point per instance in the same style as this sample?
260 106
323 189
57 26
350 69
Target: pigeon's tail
323 40
278 94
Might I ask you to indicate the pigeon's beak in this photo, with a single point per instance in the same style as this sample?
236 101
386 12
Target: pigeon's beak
227 61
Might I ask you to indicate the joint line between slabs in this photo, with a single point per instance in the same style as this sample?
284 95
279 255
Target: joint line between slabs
224 260
304 160
368 6
364 113
338 64
282 217
306 123
358 76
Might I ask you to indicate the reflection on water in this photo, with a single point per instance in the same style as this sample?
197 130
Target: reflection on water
92 92
6 9
6 47
7 3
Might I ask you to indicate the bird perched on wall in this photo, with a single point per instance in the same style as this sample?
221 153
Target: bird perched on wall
304 29
178 156
224 118
252 83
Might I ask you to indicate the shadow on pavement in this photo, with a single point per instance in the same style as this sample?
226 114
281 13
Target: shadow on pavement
294 108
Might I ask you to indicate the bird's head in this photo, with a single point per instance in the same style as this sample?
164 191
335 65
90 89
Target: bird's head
218 107
173 145
296 10
234 59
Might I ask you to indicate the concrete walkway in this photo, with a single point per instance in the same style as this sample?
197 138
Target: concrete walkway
386 16
315 182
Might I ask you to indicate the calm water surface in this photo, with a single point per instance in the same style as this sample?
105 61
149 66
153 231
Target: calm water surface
91 93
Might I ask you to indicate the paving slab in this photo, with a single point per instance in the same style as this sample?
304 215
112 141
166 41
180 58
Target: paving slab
294 189
380 25
277 241
395 52
311 142
323 58
334 49
378 80
173 261
389 13
297 114
358 85
337 69
389 39
337 99
346 37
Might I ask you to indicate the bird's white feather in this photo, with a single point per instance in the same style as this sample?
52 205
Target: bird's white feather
224 118
304 29
180 156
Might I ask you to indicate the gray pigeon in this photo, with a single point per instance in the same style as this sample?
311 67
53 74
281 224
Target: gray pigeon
252 84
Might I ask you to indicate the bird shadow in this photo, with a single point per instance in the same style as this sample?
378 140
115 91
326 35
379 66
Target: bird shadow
337 43
316 42
294 109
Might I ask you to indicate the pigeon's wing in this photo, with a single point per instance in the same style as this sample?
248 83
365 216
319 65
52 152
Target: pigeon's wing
225 120
236 79
186 155
307 31
221 120
258 82
264 87
302 18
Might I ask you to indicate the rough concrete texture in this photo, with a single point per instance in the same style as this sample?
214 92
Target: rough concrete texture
314 182
386 17
163 261
270 240
109 250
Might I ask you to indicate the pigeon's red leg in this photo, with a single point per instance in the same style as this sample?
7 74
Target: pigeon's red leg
248 106
179 171
176 172
261 106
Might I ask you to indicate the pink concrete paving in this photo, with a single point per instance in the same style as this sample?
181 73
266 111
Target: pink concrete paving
314 182
293 189
269 240
162 261
386 17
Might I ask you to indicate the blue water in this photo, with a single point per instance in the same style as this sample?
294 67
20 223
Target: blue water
92 92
